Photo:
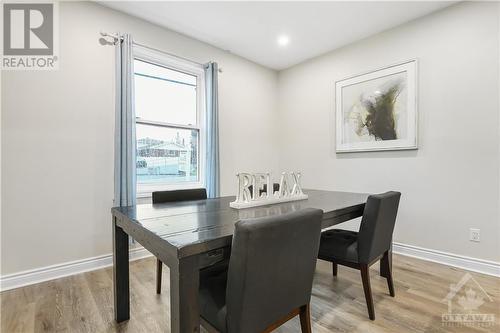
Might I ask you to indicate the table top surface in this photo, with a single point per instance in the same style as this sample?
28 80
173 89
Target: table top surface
187 223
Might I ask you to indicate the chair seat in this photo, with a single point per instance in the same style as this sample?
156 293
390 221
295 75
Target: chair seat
214 269
338 244
212 298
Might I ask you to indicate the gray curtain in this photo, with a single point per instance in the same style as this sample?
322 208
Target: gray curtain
212 180
125 150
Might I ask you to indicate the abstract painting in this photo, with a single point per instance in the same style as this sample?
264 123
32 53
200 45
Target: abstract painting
377 110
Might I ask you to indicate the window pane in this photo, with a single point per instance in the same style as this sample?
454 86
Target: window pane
166 155
164 95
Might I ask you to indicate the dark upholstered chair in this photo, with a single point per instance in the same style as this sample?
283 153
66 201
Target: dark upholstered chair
362 249
270 275
276 187
179 195
170 196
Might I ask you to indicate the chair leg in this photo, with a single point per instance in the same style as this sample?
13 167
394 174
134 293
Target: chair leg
365 277
159 266
385 263
305 318
334 268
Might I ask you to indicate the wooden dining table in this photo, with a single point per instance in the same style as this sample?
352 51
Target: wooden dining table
191 235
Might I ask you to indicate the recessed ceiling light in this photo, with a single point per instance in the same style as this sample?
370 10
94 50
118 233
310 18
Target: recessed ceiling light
283 40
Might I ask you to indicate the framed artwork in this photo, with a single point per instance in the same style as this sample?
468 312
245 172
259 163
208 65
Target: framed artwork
377 110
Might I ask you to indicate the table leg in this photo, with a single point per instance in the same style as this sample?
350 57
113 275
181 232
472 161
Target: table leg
384 272
184 307
120 273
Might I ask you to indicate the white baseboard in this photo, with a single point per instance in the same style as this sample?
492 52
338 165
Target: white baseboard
29 277
449 259
25 278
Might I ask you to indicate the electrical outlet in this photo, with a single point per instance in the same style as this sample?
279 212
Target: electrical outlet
475 235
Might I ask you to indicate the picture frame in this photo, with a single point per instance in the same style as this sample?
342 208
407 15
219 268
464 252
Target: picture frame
377 110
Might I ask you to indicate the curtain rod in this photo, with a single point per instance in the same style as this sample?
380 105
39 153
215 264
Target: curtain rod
117 38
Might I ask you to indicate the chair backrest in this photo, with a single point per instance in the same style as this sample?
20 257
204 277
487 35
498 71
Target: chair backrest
179 195
377 225
276 187
271 268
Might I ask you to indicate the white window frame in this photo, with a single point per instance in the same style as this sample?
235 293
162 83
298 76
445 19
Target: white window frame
161 59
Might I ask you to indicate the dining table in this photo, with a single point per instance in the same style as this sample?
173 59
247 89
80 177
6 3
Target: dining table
189 236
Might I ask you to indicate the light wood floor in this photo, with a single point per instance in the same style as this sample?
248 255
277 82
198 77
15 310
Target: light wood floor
84 303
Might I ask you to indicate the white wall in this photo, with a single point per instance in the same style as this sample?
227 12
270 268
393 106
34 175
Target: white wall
450 183
57 136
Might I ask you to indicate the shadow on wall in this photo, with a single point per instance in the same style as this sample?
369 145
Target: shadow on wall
376 154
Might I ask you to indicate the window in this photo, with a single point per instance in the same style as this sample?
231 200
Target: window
169 107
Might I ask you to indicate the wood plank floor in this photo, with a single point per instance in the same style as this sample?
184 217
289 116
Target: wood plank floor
84 302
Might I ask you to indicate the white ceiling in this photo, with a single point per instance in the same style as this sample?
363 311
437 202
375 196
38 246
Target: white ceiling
251 29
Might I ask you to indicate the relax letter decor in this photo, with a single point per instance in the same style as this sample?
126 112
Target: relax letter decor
251 186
